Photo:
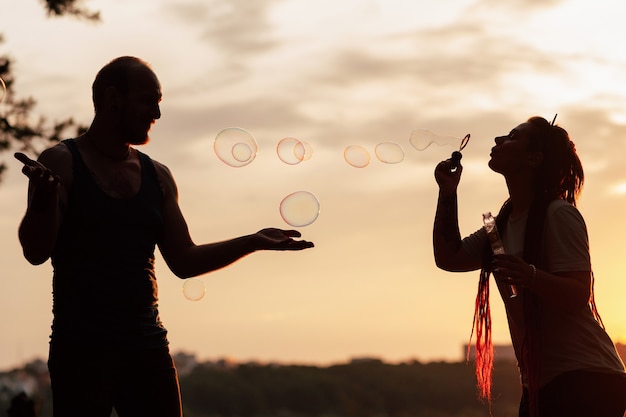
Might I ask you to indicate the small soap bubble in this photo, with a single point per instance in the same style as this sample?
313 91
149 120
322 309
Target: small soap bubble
389 152
357 156
290 150
235 147
242 152
304 151
193 289
300 208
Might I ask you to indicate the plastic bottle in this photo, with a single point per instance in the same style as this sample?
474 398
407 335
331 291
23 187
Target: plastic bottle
497 247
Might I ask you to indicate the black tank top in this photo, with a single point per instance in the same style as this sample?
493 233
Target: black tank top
104 284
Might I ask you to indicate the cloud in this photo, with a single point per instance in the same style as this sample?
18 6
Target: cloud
359 87
516 6
236 28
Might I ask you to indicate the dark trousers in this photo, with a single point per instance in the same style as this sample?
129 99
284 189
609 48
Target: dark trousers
580 394
91 382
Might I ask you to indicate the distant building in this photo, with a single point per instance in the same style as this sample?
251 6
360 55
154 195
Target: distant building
500 353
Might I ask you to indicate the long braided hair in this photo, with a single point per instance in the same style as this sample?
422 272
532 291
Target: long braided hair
559 176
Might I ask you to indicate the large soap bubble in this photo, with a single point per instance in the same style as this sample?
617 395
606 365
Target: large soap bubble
235 147
300 208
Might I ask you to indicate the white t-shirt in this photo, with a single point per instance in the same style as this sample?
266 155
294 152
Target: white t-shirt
569 340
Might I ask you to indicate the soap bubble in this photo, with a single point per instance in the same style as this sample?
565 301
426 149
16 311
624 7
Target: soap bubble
304 151
357 156
421 139
300 208
242 152
389 152
291 151
235 147
193 289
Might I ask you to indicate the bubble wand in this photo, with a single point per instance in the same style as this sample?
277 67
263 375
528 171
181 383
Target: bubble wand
457 155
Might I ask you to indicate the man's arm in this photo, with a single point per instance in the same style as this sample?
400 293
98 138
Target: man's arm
49 179
448 252
186 259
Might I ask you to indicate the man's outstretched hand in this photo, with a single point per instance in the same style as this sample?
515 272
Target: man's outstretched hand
278 239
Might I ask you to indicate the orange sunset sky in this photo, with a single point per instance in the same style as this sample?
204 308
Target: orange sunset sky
333 74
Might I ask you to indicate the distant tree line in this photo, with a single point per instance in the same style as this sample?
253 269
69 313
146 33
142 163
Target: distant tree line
369 388
357 389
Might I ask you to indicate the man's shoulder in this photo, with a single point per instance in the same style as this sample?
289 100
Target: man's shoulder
58 153
161 168
166 179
